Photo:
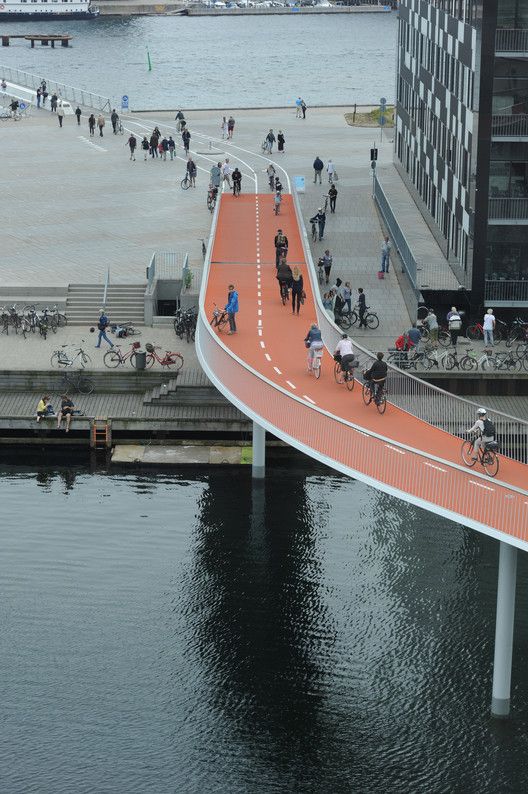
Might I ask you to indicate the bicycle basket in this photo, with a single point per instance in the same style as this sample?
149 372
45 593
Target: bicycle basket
149 348
492 445
135 345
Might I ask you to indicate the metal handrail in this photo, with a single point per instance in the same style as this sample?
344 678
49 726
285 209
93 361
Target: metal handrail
510 290
77 95
511 40
508 208
421 399
509 125
398 237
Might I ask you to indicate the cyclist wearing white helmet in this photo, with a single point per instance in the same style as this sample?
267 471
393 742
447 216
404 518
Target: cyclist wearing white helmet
484 431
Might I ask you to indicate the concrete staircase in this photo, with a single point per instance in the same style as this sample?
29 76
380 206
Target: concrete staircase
124 303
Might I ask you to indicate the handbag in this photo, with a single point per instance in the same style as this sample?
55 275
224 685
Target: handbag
303 296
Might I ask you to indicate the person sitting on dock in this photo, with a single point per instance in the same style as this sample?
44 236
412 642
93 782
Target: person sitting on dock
44 408
66 411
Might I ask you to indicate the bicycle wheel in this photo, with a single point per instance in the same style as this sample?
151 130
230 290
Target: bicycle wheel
59 359
112 359
345 321
372 320
29 309
473 332
149 361
490 461
367 394
317 367
524 362
185 183
62 320
43 330
85 385
468 364
381 403
467 453
52 323
428 363
222 322
339 375
179 328
444 337
521 351
450 362
85 360
174 361
350 382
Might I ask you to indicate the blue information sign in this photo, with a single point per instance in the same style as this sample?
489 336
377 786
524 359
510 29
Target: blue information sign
124 102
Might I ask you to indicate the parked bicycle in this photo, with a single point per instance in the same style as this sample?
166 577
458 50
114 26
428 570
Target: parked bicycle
60 358
518 332
351 318
475 331
122 330
185 323
170 360
212 195
115 357
486 456
77 381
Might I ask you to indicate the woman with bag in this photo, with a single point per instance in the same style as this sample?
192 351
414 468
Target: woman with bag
297 290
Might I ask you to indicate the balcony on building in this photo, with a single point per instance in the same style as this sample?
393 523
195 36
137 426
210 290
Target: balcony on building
508 211
511 42
510 127
506 293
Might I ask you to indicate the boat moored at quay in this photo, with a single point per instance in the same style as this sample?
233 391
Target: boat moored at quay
47 9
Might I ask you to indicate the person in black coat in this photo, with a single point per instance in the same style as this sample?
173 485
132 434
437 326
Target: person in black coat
281 140
297 286
284 275
186 138
281 246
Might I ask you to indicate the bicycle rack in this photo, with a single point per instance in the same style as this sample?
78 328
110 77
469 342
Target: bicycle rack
101 433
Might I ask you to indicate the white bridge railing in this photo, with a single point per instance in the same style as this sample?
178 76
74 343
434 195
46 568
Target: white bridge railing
76 96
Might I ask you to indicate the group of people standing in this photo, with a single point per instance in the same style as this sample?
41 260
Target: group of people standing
289 279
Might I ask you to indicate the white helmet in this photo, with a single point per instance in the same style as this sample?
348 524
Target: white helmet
481 411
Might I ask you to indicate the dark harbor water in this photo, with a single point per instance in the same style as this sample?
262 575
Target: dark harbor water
185 633
219 62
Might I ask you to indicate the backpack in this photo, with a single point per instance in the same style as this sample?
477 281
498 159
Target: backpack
455 322
489 428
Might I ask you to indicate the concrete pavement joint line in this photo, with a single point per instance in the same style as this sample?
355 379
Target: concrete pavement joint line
290 384
277 370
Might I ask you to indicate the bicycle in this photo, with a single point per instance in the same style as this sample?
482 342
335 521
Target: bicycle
314 232
476 331
317 363
170 359
326 200
204 247
343 375
351 318
115 357
237 187
486 456
185 324
77 381
284 292
124 329
379 399
211 198
119 128
219 319
518 332
186 182
60 358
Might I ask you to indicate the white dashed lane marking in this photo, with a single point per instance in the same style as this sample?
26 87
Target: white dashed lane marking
480 485
268 356
432 466
291 385
263 345
305 396
277 370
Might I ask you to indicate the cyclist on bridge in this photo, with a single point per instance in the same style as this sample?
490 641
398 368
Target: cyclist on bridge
344 352
484 431
314 342
377 374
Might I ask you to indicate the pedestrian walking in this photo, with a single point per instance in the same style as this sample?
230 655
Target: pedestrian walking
231 308
179 118
145 146
297 290
270 170
39 95
226 172
54 102
172 147
488 326
330 170
102 325
454 324
100 123
160 150
91 125
114 118
385 253
78 113
60 114
332 195
303 108
191 170
318 166
347 295
320 220
153 145
164 147
298 111
186 138
326 263
223 127
230 127
281 140
362 308
132 143
269 141
216 175
281 246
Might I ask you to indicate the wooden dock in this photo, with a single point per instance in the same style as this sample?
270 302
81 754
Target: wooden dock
49 38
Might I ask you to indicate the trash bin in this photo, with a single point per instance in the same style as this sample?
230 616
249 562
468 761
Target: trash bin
140 359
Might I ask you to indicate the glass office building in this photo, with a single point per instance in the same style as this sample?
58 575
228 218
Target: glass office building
462 137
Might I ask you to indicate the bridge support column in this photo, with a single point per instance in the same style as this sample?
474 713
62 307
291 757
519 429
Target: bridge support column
502 661
259 451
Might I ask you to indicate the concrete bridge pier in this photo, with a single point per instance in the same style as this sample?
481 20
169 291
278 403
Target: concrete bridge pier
502 661
259 452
